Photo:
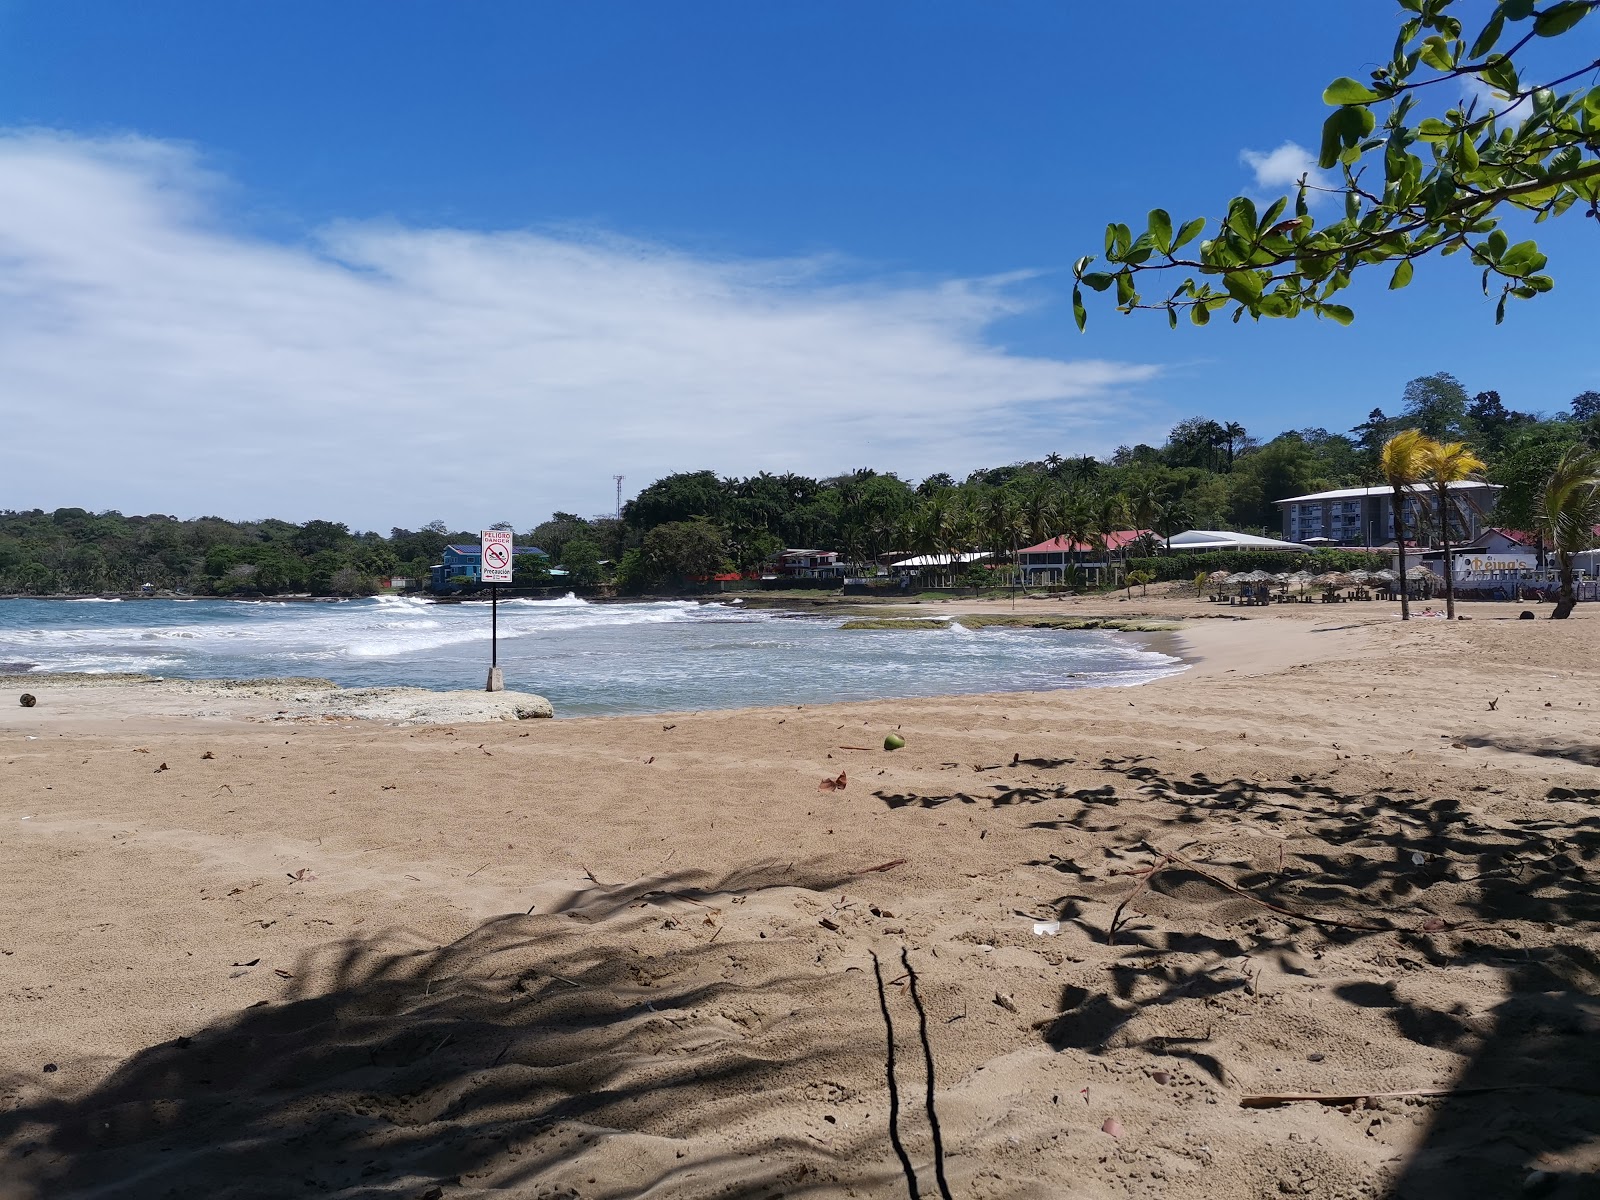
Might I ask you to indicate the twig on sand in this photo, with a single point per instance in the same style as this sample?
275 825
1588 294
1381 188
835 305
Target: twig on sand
470 874
1273 1100
888 866
590 876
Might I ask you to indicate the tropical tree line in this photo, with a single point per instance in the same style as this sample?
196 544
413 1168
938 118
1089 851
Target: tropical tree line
1206 474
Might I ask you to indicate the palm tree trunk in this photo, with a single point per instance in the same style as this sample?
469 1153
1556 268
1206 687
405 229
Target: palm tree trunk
1449 567
1400 549
1568 599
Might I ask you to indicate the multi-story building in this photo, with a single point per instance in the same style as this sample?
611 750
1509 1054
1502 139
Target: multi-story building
1364 516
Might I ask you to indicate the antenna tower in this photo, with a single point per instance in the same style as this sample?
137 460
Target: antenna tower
619 479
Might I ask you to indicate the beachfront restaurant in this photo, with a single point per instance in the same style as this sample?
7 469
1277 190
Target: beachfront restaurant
1051 561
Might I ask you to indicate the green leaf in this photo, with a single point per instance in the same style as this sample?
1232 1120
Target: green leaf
1200 314
1501 74
1345 90
1500 310
1431 129
1558 18
1273 304
1270 217
1592 101
1192 228
1098 280
1161 229
1489 36
1522 259
1402 275
1125 292
1436 52
1243 286
1328 153
1079 313
1172 317
1339 313
1242 217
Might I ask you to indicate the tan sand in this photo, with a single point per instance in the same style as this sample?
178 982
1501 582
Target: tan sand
635 956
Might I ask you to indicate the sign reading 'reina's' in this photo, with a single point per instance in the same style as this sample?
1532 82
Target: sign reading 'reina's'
497 554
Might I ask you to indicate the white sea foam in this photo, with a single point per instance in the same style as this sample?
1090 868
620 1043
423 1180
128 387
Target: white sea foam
588 657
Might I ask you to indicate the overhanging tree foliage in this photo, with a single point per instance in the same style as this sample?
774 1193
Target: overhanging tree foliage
1438 175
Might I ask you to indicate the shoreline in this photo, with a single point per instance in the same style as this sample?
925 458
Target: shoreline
1206 644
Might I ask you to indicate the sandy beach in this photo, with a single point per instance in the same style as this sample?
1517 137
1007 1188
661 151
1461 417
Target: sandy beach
257 950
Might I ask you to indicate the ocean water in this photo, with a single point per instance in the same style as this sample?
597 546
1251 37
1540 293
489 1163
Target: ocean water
587 658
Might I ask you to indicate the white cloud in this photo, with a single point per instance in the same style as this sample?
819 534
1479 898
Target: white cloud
1281 169
156 360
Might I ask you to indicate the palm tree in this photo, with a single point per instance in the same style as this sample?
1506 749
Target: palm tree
1444 463
1076 527
1145 494
1039 508
1401 463
1232 433
1108 512
1052 464
1002 523
1567 513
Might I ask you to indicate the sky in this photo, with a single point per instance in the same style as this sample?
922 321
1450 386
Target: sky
391 261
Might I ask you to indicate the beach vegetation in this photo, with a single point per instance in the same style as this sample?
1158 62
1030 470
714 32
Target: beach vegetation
1450 144
681 552
1568 514
580 559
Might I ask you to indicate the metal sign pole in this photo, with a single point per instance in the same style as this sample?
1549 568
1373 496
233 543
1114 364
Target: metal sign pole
495 568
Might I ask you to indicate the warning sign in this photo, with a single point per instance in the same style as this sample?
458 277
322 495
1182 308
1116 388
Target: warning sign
497 556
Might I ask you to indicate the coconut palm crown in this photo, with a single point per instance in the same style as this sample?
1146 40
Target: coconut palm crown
1444 463
1402 463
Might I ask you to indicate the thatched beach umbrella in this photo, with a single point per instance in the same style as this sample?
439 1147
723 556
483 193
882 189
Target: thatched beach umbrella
1383 576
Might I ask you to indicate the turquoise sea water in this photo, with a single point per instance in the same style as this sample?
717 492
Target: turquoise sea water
587 658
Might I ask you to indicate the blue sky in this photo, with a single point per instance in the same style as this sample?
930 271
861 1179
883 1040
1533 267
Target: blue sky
331 246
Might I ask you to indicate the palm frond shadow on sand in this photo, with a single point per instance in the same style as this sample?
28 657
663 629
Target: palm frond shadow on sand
1541 1044
1380 857
540 1054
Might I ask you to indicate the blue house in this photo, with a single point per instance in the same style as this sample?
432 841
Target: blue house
464 561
